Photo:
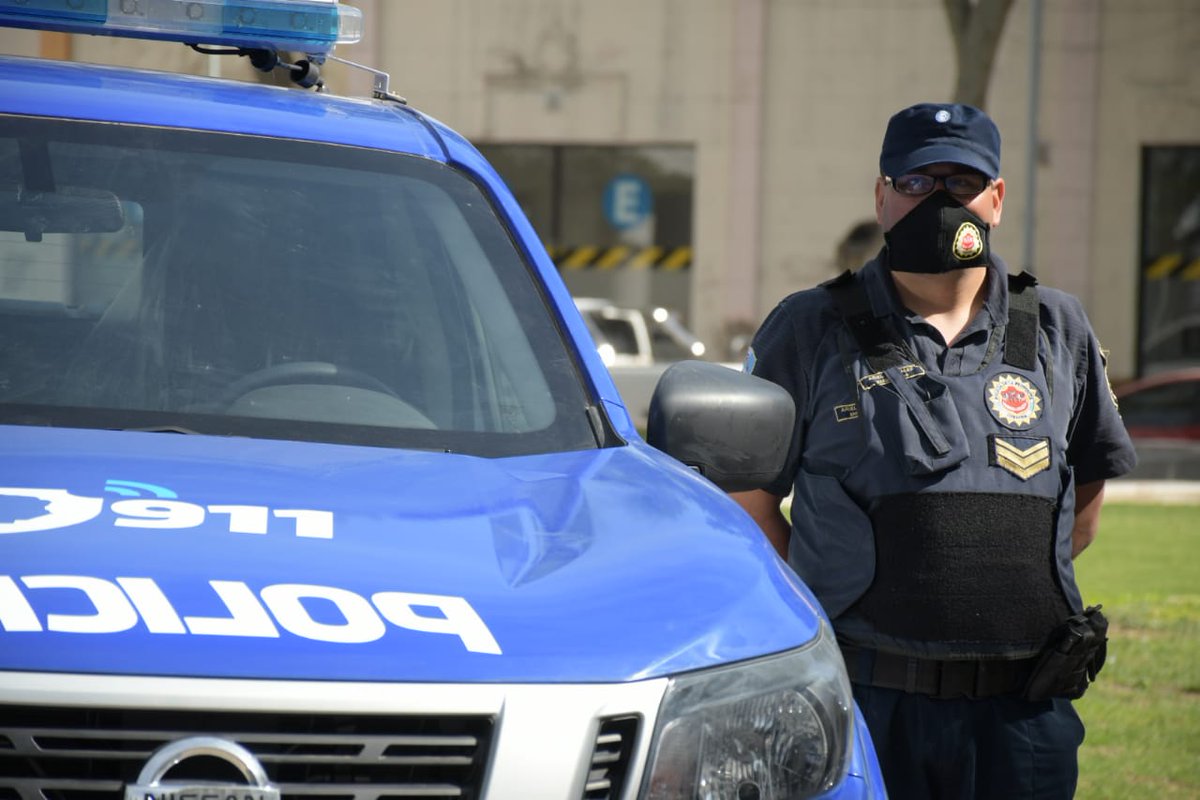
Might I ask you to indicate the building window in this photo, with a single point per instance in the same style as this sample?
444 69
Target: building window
617 220
1170 251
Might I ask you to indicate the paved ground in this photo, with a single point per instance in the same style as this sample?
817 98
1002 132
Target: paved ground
1174 492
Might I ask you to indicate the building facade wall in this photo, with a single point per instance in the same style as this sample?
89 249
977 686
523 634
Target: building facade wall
619 72
1149 95
784 103
1114 75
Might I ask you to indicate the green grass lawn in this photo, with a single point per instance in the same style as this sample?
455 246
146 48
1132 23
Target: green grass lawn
1143 713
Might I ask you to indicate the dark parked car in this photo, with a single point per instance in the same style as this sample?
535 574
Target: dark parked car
1162 414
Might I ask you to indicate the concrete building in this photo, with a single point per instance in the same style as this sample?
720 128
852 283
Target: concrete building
716 155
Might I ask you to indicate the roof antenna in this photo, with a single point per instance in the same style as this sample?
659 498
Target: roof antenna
380 89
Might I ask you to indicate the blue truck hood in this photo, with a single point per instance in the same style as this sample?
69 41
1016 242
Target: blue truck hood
162 554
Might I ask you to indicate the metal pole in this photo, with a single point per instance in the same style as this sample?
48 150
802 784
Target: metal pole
743 268
1031 161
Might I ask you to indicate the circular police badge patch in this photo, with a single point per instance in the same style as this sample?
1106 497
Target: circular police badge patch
968 242
1013 400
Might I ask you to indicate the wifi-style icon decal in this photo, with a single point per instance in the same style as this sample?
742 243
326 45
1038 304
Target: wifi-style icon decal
138 489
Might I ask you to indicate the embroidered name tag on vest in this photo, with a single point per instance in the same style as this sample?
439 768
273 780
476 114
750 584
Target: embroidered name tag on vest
1023 456
877 379
845 412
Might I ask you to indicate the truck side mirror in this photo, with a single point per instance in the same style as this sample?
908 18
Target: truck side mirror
732 427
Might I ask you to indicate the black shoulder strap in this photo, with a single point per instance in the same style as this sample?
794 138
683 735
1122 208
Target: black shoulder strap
881 347
1021 338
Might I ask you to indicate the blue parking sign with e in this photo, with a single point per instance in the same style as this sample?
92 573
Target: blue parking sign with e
628 201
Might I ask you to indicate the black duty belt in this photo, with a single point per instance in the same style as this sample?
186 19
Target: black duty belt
940 679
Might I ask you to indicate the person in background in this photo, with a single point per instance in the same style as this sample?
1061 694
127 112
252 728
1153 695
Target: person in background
955 428
860 243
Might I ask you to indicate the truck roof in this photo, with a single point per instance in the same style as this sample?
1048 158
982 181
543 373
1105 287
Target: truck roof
115 94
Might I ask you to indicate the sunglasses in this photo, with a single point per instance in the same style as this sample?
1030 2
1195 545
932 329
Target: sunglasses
966 184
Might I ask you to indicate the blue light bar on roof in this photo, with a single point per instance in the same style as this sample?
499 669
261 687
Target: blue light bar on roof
313 27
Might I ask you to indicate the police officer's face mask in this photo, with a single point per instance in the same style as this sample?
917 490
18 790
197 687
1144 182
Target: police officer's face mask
938 235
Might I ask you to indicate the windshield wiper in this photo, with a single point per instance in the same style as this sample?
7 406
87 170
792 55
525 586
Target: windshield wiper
165 429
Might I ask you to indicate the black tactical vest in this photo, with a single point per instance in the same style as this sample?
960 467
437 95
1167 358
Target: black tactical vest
956 487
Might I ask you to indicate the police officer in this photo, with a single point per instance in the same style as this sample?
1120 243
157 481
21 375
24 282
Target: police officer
954 430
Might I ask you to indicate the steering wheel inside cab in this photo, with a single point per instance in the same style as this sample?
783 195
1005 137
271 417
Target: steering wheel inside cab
320 392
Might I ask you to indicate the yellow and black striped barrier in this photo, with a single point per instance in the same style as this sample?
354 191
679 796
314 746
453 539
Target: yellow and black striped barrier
621 257
1173 265
110 248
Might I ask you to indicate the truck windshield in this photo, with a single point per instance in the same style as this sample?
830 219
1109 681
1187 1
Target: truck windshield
239 285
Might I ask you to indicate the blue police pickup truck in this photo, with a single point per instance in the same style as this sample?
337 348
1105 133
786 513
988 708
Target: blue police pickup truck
312 483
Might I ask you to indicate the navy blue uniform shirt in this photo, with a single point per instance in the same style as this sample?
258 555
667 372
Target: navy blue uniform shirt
800 329
855 447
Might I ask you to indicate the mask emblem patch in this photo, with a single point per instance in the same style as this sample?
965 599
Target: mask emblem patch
1023 456
1013 401
968 243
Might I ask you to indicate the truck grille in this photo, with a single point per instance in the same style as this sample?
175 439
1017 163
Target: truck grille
89 754
610 759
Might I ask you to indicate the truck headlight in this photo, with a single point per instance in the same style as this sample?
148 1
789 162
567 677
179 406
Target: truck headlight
767 729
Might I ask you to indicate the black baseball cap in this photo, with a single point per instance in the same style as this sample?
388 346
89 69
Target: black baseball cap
930 133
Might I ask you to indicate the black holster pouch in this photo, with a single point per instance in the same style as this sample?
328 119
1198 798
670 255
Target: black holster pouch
1071 659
